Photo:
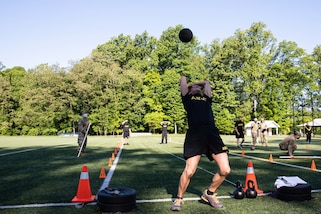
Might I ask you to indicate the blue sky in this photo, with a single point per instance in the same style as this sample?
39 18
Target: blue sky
59 31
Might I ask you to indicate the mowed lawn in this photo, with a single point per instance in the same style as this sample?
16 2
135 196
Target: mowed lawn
42 173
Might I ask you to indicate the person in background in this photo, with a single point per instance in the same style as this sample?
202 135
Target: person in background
164 125
83 125
239 132
126 132
202 137
264 132
289 143
254 131
308 133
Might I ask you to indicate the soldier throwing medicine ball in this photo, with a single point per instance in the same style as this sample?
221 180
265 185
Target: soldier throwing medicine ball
83 125
202 137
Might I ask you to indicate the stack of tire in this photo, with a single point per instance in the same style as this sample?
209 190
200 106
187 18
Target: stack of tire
118 199
300 192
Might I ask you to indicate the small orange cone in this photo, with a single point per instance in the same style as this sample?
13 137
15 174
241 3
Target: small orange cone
112 156
251 176
271 158
118 145
243 153
102 173
313 166
84 191
110 162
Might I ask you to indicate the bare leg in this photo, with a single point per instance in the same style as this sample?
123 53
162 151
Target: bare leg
223 170
190 168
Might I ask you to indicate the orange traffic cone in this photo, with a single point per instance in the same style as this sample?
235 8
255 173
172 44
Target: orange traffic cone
102 173
243 153
313 166
251 176
118 146
84 191
271 158
110 162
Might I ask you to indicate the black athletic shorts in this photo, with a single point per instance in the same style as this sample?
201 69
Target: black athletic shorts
241 135
126 134
203 139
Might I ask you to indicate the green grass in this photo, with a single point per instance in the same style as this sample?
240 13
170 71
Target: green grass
48 172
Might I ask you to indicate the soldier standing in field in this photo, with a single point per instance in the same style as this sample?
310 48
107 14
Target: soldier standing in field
239 132
264 132
308 133
126 132
254 131
83 125
164 125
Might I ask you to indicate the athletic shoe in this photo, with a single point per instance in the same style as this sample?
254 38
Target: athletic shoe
211 199
177 204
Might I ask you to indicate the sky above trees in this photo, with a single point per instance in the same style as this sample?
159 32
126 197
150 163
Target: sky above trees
57 32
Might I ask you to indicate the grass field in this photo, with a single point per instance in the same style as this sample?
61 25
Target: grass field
39 171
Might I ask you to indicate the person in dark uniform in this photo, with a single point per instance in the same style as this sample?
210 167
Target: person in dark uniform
83 125
202 137
239 132
164 125
308 133
126 132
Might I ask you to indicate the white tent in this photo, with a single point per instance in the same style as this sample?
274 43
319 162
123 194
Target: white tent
271 124
314 123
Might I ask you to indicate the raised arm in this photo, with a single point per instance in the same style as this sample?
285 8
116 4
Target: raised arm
183 86
206 87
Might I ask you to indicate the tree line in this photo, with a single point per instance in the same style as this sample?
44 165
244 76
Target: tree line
137 79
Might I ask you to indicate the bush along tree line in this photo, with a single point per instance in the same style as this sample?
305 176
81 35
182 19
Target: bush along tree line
137 79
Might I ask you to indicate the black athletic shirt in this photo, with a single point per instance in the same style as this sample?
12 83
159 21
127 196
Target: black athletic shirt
199 111
239 125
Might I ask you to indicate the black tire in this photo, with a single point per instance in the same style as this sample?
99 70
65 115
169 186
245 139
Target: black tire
117 207
293 197
298 189
117 195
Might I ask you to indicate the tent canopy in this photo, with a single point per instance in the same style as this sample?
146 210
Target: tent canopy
269 123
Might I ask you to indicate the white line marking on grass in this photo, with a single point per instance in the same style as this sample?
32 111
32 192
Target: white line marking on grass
38 205
137 201
191 199
275 162
111 170
300 157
